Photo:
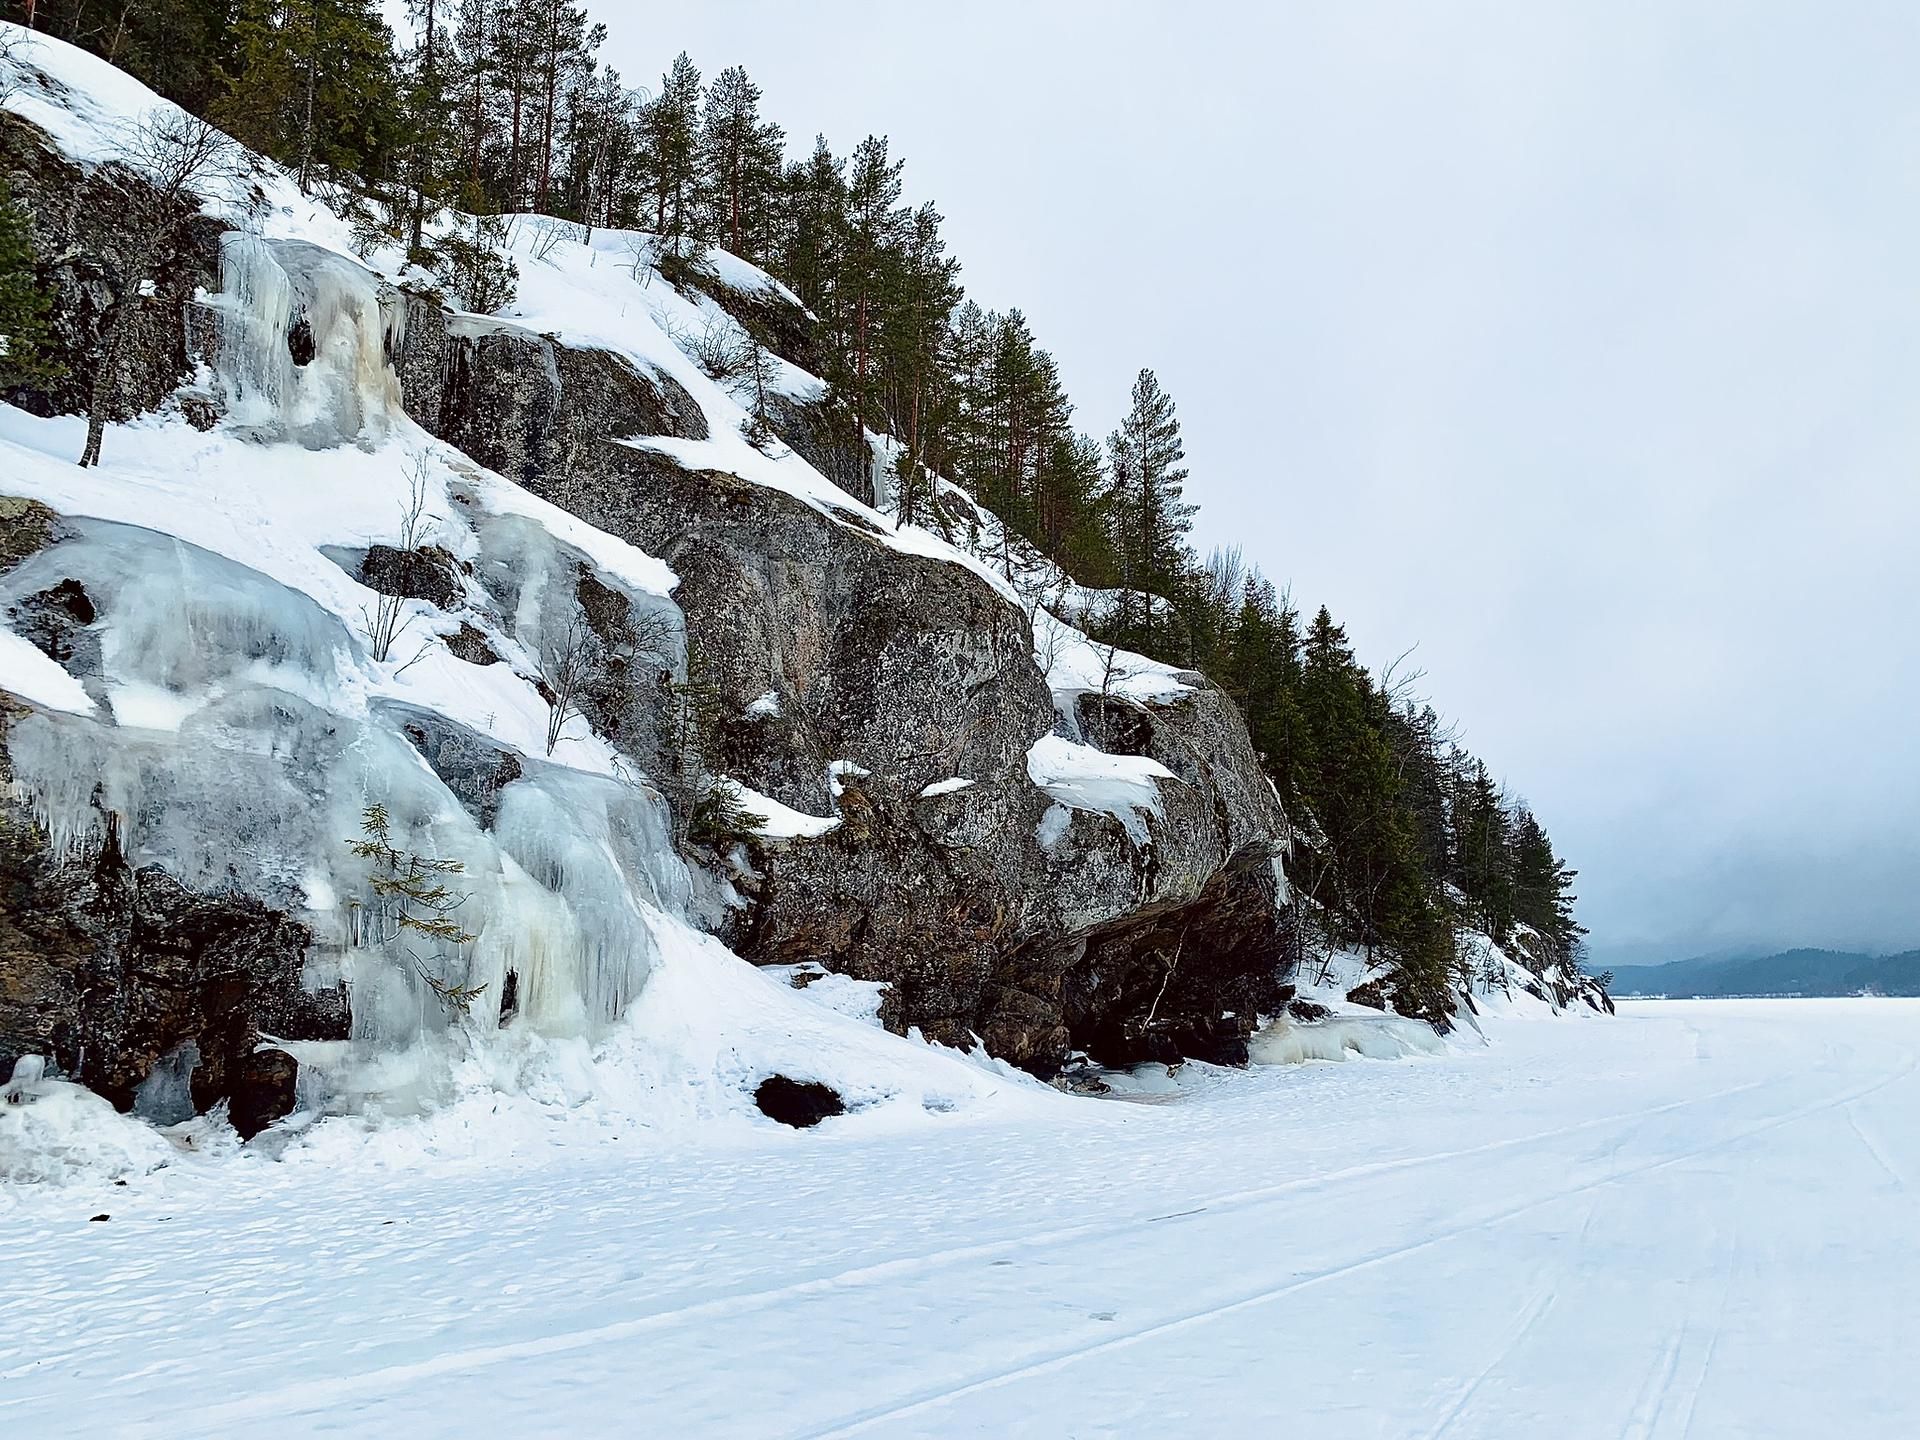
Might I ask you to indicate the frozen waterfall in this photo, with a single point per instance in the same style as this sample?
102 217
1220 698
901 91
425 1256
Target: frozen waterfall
305 338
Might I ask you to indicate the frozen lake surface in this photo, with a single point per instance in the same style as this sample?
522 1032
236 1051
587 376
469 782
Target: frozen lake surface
1698 1219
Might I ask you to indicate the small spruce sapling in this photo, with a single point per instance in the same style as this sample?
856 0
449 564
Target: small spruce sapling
411 897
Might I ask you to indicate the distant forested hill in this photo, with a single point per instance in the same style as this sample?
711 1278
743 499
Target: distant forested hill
1791 972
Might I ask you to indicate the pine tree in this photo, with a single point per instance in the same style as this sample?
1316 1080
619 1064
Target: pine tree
741 157
1151 520
564 46
1073 520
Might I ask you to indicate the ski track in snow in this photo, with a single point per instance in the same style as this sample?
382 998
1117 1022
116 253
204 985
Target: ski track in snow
317 1394
1654 1395
1691 1221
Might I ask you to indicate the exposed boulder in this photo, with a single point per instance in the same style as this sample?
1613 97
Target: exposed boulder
428 574
470 644
799 1103
56 621
1173 980
26 527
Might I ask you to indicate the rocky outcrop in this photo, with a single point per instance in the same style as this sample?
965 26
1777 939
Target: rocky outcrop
520 402
105 969
82 220
844 675
829 650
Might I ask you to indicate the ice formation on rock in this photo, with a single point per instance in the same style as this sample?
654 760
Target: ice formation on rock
305 339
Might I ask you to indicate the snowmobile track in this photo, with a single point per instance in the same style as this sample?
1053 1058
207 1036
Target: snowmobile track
1062 1358
317 1394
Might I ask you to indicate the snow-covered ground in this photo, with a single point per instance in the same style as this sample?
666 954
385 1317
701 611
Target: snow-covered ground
1695 1219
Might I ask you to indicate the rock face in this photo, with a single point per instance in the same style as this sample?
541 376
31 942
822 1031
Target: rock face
80 219
105 969
847 675
825 644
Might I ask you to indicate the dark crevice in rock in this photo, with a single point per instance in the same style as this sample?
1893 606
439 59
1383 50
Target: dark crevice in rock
300 341
263 1091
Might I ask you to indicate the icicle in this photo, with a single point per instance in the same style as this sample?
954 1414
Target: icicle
255 310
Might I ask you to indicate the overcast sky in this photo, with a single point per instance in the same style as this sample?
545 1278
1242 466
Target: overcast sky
1576 344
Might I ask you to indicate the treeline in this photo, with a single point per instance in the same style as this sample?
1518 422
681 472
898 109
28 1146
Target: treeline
502 106
1405 840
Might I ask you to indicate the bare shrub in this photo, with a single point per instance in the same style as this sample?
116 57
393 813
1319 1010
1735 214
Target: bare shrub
386 620
174 155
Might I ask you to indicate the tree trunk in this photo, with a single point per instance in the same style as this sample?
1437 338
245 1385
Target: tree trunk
313 67
735 188
420 163
546 122
514 192
101 394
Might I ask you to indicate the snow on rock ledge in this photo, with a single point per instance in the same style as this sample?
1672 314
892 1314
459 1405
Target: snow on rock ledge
1083 778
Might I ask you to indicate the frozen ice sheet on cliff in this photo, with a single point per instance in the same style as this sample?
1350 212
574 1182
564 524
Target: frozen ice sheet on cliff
271 512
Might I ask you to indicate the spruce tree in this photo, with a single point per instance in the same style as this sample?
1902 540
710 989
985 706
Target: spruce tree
315 86
1482 847
671 125
24 303
812 232
875 224
916 307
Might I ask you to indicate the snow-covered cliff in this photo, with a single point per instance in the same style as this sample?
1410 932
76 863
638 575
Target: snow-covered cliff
377 694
